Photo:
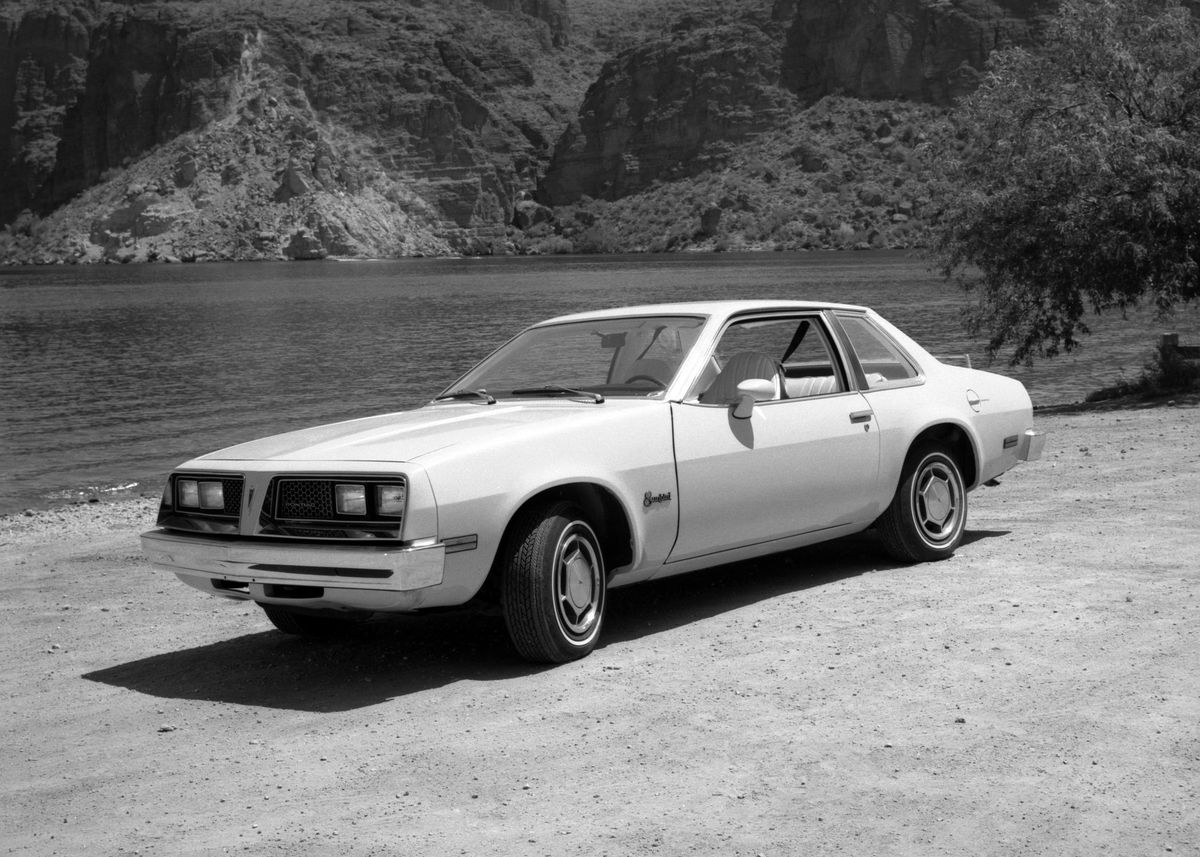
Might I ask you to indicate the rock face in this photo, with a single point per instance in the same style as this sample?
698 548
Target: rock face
158 129
923 50
550 14
668 109
409 111
87 91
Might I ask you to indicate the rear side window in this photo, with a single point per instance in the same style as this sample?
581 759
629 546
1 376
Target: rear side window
883 363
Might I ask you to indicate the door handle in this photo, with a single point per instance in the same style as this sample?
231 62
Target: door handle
861 416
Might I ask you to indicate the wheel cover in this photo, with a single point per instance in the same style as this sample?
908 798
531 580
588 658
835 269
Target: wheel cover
938 502
578 581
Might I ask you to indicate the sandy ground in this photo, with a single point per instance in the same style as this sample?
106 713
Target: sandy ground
1039 693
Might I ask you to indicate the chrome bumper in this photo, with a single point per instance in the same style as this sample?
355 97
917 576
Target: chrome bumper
1031 445
393 569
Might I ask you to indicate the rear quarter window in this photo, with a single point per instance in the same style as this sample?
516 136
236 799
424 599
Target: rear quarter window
883 362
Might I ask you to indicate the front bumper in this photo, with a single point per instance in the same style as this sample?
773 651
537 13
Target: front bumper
228 566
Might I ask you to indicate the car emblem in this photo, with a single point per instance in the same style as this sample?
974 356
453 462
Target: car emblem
650 498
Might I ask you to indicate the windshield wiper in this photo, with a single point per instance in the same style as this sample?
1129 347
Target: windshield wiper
559 390
468 394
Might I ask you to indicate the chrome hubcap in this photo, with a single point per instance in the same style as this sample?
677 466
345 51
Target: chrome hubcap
938 496
579 581
578 578
938 503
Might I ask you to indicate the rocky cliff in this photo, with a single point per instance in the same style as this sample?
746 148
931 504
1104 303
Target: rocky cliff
162 129
197 134
669 109
923 50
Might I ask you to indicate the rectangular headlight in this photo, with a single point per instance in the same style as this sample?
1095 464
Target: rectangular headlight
187 492
350 499
389 499
212 495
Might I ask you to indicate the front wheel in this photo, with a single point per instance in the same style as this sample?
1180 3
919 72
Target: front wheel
554 585
926 518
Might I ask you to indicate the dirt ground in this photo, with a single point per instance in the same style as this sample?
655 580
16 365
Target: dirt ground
1039 693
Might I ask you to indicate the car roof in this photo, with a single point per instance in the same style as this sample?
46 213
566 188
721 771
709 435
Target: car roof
714 309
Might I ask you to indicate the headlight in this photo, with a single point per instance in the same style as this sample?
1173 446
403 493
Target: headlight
389 499
187 493
212 495
350 499
196 494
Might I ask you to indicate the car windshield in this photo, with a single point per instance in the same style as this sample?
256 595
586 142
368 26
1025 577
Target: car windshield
636 356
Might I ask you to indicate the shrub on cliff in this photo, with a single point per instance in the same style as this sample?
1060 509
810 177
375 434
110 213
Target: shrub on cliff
1078 186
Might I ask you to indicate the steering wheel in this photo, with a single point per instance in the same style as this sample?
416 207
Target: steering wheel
658 385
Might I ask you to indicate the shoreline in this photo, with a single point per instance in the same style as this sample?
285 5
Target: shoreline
99 514
98 498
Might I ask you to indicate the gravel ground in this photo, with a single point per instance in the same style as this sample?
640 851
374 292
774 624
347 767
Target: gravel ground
1036 694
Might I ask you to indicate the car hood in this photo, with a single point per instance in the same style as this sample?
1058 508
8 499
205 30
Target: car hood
412 435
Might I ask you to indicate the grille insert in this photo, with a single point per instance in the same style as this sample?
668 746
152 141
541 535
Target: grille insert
304 507
305 500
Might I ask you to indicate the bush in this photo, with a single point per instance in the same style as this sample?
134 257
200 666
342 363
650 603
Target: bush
1167 373
1078 184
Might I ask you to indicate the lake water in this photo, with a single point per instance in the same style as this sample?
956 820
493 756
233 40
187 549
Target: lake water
109 376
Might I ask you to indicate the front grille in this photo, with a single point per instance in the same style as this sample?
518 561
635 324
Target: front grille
232 489
304 507
307 500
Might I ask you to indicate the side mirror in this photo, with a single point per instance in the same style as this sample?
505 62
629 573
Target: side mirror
751 391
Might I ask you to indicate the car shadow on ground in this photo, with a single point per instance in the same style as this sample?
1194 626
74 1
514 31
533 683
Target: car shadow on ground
393 656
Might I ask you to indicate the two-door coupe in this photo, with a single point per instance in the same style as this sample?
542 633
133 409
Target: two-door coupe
598 450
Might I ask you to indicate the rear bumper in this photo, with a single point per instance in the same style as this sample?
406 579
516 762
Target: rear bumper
241 568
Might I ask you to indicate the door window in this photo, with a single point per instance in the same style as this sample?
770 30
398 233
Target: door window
792 351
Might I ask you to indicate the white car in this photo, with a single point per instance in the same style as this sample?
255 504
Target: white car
598 450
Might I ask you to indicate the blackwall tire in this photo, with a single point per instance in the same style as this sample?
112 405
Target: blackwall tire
928 514
554 584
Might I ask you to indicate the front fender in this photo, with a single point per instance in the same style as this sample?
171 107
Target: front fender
626 451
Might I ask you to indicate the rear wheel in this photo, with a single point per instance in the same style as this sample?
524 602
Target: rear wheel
928 514
554 585
308 624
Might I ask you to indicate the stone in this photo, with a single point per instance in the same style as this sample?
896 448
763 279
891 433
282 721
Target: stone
304 246
292 184
527 213
185 171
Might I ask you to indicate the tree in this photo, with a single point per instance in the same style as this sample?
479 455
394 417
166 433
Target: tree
1077 185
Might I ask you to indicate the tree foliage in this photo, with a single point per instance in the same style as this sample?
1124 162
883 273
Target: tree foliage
1077 186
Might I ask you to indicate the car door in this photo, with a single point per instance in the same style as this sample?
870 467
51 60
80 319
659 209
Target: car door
804 460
